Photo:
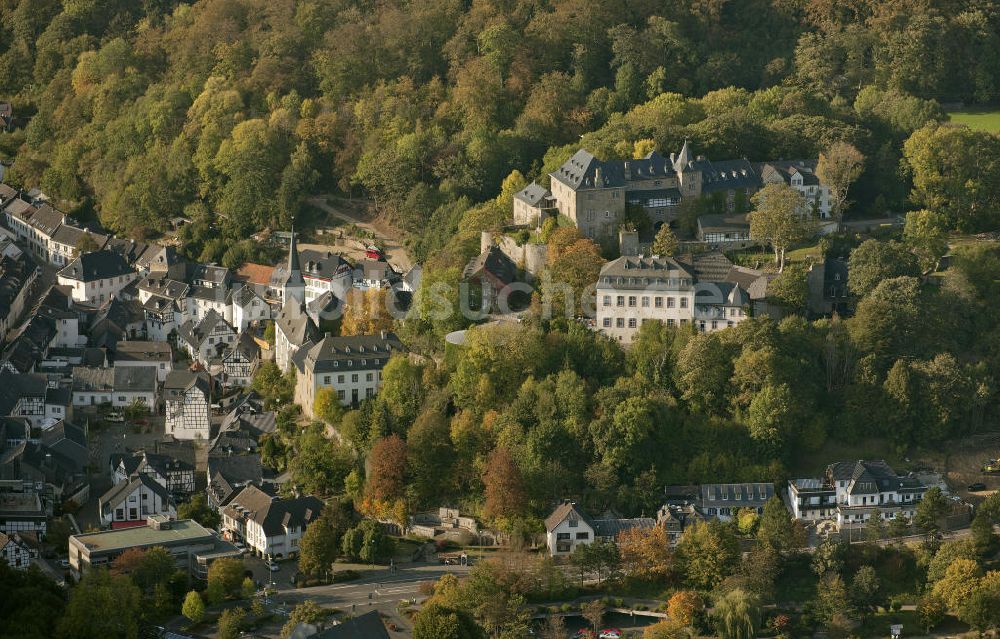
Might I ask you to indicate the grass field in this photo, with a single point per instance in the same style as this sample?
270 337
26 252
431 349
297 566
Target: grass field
977 119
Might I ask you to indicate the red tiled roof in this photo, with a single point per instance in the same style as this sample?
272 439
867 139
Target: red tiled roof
254 273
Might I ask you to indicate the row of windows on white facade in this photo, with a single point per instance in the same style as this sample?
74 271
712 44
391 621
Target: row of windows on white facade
657 301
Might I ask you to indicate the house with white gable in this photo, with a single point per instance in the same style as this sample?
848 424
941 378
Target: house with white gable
852 493
270 526
240 359
129 503
14 551
187 397
206 340
176 475
569 527
96 277
248 308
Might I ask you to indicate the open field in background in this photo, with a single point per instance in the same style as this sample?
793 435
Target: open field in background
977 119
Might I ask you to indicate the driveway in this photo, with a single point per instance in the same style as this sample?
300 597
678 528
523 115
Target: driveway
395 253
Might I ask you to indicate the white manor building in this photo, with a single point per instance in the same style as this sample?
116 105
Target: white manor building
705 291
851 493
269 525
349 365
97 277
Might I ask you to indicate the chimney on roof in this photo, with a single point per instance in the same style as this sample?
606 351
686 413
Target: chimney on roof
628 170
382 334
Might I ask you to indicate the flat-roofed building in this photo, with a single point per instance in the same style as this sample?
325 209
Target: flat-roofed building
192 545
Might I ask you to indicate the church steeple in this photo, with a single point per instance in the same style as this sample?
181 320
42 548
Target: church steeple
294 284
683 158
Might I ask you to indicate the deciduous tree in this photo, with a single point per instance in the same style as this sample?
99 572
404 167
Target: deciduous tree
646 553
839 166
926 232
874 261
102 606
320 543
504 487
665 243
780 218
193 608
197 509
737 615
683 605
960 581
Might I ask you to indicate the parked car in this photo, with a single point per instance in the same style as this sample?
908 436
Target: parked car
115 418
273 567
373 253
977 486
610 633
64 563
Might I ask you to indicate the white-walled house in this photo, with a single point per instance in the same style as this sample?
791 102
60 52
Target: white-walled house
350 365
851 493
134 384
206 340
176 475
129 503
14 551
801 176
92 386
155 355
248 308
270 526
240 359
187 397
566 528
97 277
569 527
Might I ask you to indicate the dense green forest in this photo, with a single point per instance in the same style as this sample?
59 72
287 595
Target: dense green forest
232 111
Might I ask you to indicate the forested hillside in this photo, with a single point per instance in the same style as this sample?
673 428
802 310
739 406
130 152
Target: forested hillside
234 110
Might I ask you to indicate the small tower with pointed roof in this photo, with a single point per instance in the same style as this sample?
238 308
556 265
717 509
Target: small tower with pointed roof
295 287
688 173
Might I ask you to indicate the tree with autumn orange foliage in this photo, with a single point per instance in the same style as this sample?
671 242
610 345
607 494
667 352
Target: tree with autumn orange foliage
366 312
645 553
506 498
684 605
385 489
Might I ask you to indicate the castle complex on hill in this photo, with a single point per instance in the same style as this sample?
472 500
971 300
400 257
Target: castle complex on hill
593 193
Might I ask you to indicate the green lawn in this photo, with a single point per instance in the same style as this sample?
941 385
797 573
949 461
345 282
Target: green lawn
977 119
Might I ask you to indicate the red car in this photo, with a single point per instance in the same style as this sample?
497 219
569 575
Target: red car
373 253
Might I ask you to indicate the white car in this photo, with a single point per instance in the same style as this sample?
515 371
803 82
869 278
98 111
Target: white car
273 567
114 418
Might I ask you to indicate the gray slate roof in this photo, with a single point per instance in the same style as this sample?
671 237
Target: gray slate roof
120 491
533 195
97 265
178 383
352 352
135 379
296 325
273 513
142 351
366 626
89 379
